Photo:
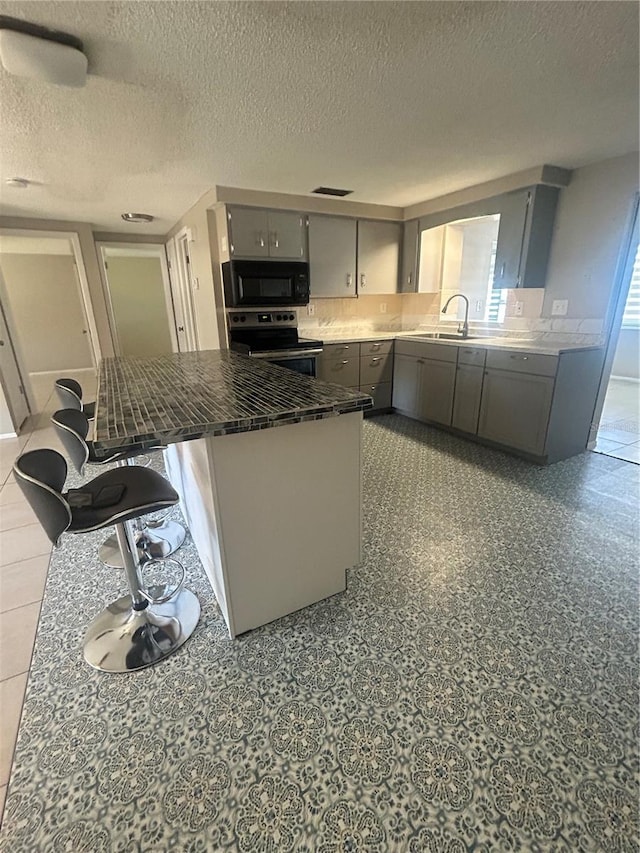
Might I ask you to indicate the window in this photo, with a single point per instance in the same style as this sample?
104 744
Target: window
631 316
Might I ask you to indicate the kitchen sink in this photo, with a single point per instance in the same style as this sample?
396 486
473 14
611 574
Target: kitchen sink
445 336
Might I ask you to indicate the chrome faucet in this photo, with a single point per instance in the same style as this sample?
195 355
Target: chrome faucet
463 328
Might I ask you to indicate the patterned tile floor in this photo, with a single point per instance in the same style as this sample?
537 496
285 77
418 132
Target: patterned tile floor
474 689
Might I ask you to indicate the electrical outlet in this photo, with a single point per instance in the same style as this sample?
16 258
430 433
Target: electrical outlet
383 307
479 305
311 309
559 307
196 283
518 309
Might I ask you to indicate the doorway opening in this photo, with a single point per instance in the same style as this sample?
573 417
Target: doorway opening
48 316
138 295
619 429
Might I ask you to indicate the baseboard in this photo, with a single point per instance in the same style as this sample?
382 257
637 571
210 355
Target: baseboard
625 379
8 435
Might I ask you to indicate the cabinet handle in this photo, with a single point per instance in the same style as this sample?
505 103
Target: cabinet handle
521 357
349 279
409 279
345 347
376 346
420 361
374 360
363 280
346 361
260 239
469 351
276 243
502 269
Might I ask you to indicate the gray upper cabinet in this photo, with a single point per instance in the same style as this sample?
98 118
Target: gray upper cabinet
378 256
332 256
410 243
258 233
524 238
248 232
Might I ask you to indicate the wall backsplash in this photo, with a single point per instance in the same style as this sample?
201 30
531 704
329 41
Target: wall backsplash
408 311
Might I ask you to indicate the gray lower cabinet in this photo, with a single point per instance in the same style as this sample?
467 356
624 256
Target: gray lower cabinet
406 379
365 367
435 391
332 255
466 401
340 371
381 394
375 369
515 409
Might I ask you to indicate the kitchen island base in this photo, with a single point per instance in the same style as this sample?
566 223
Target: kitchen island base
275 514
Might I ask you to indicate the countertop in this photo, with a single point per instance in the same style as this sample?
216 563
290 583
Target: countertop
539 347
182 396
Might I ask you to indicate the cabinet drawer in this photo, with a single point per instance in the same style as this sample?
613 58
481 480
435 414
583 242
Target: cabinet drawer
340 350
471 355
381 394
375 369
523 362
438 352
340 371
376 347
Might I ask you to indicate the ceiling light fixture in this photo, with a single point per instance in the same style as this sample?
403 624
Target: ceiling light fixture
331 191
137 217
19 183
29 50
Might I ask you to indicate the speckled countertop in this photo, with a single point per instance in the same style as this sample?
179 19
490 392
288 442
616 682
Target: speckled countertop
187 395
486 342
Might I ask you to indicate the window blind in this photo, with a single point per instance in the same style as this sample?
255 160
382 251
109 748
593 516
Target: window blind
631 316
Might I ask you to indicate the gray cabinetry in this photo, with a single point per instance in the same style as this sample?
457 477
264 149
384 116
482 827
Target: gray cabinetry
376 368
513 215
332 256
340 371
258 233
381 394
406 378
515 409
435 392
409 273
366 366
378 256
466 400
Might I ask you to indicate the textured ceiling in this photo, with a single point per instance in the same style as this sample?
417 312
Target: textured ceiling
398 101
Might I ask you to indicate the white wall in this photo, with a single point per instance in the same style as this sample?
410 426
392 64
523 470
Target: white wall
591 222
6 424
627 358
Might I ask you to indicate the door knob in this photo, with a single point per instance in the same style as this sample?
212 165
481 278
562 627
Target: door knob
1 343
181 328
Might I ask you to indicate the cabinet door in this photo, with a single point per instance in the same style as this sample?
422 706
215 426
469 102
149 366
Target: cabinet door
409 275
514 208
248 233
406 377
332 256
435 397
466 400
515 409
287 235
378 256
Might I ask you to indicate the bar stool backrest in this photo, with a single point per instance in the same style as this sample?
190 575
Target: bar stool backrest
41 475
72 427
69 393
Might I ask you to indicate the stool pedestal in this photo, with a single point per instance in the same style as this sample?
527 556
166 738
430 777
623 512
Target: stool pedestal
132 633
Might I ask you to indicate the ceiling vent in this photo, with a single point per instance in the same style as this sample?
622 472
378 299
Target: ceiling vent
331 191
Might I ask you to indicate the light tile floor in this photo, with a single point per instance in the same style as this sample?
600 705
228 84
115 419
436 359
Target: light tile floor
24 560
619 433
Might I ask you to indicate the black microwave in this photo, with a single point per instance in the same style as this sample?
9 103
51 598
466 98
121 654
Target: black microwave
265 283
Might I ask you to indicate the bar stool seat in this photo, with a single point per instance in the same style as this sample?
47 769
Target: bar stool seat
164 537
145 626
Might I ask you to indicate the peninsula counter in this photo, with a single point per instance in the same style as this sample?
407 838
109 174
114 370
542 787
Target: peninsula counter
267 465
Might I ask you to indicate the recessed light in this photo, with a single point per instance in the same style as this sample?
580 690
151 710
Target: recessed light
331 191
20 183
137 217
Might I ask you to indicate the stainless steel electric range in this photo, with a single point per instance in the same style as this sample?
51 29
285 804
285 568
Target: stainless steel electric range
273 336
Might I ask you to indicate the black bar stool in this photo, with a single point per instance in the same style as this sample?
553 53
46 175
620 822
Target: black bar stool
155 540
146 626
70 395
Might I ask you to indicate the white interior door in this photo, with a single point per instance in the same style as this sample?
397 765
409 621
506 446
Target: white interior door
186 289
182 344
12 383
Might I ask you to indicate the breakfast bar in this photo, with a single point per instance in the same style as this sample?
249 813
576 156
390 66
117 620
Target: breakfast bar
267 463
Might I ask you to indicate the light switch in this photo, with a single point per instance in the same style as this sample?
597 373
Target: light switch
559 307
311 309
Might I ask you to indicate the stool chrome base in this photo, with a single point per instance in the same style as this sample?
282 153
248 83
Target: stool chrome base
153 544
121 639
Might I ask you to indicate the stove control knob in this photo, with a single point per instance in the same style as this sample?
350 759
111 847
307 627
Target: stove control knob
279 317
235 318
291 317
243 319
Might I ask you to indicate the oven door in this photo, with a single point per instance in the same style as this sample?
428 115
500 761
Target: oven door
302 361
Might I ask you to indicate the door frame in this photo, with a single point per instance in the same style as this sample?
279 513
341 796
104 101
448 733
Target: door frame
615 311
150 250
82 282
7 389
186 285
